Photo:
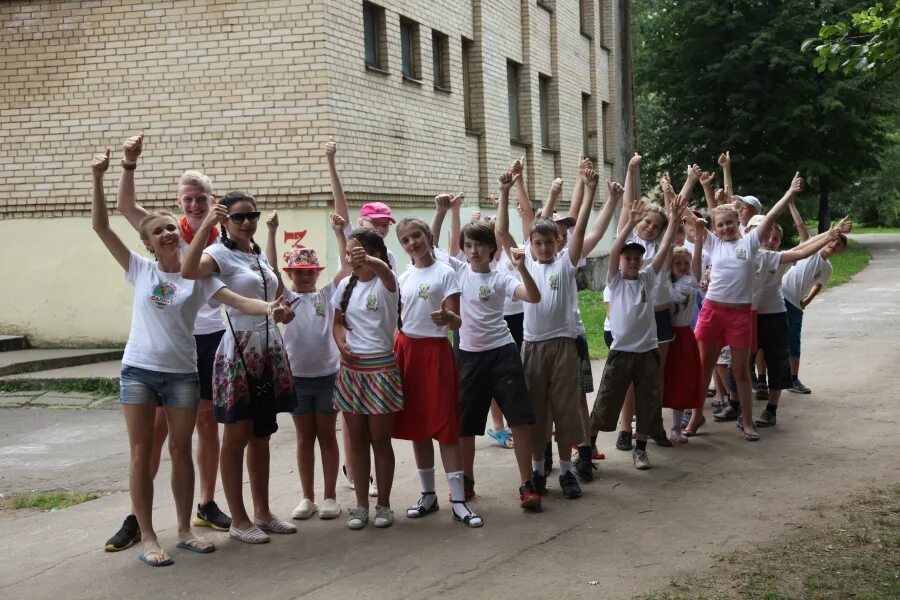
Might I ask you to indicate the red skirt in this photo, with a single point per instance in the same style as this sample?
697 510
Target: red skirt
430 390
684 376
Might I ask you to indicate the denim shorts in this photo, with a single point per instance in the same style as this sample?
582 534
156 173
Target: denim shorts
314 395
142 386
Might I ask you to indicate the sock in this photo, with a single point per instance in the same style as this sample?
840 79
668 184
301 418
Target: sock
677 415
641 445
772 408
457 493
537 466
426 479
564 467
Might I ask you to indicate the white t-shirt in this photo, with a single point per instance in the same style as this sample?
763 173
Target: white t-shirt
662 292
421 293
371 314
240 271
799 281
733 268
209 319
767 297
632 322
162 318
308 338
511 306
683 312
392 260
607 298
555 315
481 305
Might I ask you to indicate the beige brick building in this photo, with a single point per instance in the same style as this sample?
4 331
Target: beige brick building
422 96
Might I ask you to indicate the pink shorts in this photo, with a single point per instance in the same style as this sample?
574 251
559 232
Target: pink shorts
725 325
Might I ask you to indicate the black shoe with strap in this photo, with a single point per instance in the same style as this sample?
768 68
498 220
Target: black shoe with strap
623 441
127 536
662 439
471 519
421 508
209 515
584 464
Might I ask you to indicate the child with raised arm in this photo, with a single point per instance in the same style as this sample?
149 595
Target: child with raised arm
725 318
314 359
429 298
488 362
159 366
549 357
369 389
634 353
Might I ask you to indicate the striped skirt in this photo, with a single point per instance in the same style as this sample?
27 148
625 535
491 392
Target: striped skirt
370 386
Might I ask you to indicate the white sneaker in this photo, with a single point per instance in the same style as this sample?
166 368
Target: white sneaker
330 509
373 488
305 509
384 517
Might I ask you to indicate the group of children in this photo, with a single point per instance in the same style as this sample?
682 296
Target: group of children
374 344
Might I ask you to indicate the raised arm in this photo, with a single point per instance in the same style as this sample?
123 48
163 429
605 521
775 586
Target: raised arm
550 206
523 201
633 217
632 194
382 270
455 227
693 176
766 226
725 163
100 214
662 254
442 203
528 290
271 252
337 188
126 201
338 224
665 184
802 231
601 223
706 182
507 180
195 264
277 309
576 240
697 256
805 250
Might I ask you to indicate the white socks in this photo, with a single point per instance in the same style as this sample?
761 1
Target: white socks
564 467
457 493
426 479
538 466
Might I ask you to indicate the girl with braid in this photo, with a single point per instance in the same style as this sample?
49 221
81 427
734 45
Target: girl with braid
368 389
251 349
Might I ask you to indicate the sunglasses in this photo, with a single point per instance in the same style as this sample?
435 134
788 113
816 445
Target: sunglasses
253 217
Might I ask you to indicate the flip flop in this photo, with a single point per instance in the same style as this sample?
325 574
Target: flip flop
751 437
503 437
191 546
161 563
694 433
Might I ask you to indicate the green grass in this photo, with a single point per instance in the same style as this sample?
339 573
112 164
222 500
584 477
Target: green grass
848 263
100 388
51 500
852 553
593 313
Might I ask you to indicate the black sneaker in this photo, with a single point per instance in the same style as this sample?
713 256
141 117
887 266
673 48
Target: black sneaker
661 439
623 442
762 391
584 464
548 458
729 413
529 499
766 419
127 536
540 483
799 388
209 515
569 485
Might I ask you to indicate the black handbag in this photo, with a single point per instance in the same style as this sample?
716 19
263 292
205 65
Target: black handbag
260 388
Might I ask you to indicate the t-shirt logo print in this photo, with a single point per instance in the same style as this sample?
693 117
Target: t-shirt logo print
484 293
423 291
163 294
371 302
741 254
554 281
320 310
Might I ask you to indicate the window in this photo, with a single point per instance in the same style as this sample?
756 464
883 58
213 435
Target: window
376 39
604 22
585 17
586 124
512 93
600 12
440 54
409 49
544 89
609 151
467 82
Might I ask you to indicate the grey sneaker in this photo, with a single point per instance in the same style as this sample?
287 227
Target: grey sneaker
359 517
730 413
641 460
766 419
384 517
799 388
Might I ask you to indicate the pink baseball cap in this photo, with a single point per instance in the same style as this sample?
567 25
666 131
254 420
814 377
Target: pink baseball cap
376 210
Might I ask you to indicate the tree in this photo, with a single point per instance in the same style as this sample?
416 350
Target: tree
714 75
870 42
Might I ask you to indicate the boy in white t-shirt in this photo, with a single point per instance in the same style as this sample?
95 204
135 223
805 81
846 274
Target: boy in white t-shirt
549 356
634 354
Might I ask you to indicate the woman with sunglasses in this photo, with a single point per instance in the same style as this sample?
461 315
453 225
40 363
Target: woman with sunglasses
251 346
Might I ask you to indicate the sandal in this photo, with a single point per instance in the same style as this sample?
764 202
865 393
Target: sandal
420 510
276 525
471 520
503 437
198 545
251 535
161 562
751 437
688 433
